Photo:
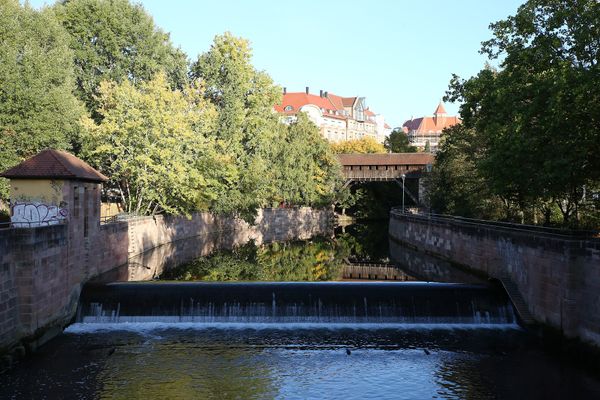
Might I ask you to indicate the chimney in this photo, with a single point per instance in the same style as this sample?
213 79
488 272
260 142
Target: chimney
284 90
321 93
307 90
325 94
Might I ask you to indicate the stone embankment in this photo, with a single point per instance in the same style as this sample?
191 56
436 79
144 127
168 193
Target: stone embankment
43 269
557 275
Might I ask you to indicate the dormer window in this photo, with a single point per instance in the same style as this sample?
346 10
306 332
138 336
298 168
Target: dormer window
288 108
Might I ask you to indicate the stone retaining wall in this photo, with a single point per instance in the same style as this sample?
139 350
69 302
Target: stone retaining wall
558 277
43 269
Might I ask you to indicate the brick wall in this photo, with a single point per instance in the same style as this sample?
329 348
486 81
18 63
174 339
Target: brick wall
559 277
43 269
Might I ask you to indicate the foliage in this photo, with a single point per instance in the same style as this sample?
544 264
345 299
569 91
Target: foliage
273 163
246 126
314 260
307 172
152 143
363 146
114 40
535 121
397 142
455 186
37 106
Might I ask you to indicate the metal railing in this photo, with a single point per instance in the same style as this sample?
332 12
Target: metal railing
122 217
544 230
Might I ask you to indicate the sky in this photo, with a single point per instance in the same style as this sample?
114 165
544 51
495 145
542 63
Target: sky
398 54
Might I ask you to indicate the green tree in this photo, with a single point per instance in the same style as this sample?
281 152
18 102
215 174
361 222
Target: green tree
247 128
536 119
152 143
365 145
37 106
455 185
427 148
397 142
274 163
115 40
306 170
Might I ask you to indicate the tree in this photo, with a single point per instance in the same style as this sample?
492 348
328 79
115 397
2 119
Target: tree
397 142
308 172
115 40
455 185
274 163
536 118
427 148
152 143
362 146
37 107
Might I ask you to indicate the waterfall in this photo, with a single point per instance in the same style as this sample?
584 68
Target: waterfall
352 303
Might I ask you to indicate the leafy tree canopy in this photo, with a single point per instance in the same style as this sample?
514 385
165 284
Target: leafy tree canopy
362 146
37 106
153 144
536 120
397 142
114 40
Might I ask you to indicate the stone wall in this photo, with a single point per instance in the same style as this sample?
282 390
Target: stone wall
42 269
557 276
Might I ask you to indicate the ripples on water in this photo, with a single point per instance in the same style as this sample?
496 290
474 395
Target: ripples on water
153 361
297 361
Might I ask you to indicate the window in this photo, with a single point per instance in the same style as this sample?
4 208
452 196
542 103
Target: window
288 108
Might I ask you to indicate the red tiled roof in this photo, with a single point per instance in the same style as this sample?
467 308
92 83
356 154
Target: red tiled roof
299 99
330 104
336 100
387 159
369 113
348 101
440 109
54 164
386 126
426 124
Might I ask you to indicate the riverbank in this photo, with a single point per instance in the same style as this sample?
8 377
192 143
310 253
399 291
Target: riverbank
43 269
556 275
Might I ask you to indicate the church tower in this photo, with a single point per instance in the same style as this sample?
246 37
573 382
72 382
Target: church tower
439 115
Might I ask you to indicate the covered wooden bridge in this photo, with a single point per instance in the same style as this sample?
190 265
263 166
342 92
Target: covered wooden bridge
386 167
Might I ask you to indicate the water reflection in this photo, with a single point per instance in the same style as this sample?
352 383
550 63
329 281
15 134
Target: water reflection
180 370
267 364
319 259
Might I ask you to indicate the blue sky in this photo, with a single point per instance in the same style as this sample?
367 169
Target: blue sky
398 54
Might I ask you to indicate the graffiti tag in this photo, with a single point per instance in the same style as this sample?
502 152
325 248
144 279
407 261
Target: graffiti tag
31 214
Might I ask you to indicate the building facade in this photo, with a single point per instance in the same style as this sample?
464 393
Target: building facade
338 118
424 130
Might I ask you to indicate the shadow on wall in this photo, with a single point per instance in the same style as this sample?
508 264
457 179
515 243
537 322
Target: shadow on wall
160 243
428 268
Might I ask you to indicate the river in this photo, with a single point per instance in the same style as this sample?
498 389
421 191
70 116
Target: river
211 330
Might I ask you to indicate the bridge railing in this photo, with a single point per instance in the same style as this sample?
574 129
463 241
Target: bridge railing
544 230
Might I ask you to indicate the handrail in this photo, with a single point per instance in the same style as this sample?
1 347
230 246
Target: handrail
591 234
122 217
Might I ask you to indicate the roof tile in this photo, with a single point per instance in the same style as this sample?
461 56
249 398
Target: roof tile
54 164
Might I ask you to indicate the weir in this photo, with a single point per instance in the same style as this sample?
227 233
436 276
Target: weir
297 302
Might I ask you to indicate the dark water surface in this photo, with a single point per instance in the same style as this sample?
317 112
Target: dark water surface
244 346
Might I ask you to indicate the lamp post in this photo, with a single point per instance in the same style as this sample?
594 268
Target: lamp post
403 176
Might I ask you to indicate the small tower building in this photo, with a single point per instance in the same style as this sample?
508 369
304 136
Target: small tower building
55 187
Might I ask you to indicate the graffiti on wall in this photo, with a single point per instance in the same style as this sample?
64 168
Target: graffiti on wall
31 214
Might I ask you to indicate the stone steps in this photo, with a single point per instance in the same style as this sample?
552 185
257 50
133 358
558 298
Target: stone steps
517 300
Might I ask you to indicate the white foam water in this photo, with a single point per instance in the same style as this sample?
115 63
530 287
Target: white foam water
83 327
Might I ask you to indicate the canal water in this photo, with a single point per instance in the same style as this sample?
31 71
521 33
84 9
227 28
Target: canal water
330 317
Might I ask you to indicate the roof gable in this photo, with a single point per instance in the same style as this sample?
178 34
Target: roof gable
440 109
54 164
